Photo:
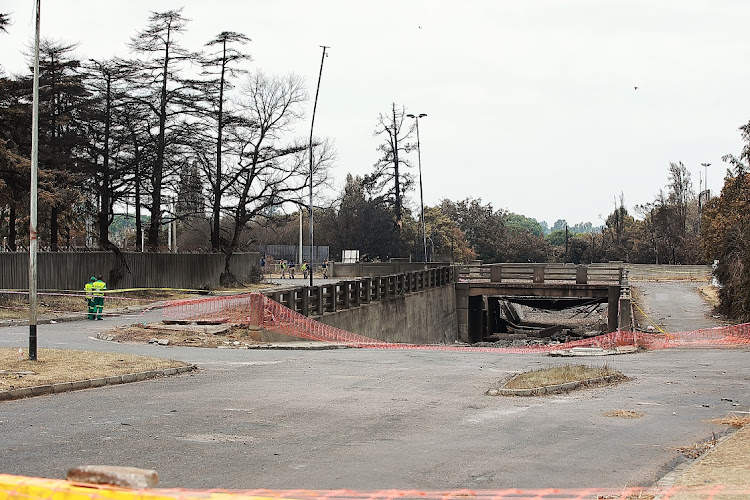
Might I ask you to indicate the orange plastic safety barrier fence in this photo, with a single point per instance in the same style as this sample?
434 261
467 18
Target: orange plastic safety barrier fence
260 311
30 488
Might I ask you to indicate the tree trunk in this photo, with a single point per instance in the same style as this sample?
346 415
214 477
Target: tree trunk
105 187
137 195
53 228
399 223
215 236
158 173
395 172
12 228
138 223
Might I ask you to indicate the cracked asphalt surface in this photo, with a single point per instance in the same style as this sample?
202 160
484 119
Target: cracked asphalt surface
371 419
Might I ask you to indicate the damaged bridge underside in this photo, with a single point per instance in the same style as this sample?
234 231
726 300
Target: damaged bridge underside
552 304
477 302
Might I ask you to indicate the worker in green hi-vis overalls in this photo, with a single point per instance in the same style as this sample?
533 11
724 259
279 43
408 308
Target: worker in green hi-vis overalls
99 286
89 289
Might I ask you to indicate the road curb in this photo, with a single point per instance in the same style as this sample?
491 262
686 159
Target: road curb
41 390
552 389
669 479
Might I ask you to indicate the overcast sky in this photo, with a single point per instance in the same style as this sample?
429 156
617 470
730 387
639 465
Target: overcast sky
531 104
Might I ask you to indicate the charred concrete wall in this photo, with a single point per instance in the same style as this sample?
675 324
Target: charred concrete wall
424 317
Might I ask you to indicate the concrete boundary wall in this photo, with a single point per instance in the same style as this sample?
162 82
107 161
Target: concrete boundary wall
426 317
359 269
69 271
668 271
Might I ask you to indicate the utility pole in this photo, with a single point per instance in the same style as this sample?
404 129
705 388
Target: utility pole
33 242
312 125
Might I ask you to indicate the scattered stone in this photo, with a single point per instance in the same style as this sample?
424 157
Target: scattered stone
153 341
163 341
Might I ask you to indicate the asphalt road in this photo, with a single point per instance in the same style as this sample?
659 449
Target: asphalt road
370 419
676 306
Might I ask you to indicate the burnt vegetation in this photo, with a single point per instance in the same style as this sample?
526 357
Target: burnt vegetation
203 141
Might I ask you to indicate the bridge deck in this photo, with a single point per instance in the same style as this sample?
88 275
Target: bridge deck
547 289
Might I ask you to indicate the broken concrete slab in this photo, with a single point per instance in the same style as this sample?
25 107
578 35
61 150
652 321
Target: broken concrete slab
192 328
594 351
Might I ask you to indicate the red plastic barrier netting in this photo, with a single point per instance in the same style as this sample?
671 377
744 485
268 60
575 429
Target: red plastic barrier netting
714 492
255 309
31 488
258 310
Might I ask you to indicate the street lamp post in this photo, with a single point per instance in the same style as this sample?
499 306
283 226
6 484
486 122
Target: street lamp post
705 176
312 125
421 194
703 195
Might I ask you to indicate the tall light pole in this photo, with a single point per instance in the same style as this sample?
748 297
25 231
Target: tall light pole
33 242
312 125
421 194
705 176
702 195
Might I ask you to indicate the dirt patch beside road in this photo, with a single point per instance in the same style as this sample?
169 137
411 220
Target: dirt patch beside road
188 336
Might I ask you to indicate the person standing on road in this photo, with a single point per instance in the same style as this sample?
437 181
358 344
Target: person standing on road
283 269
324 265
98 288
88 288
304 269
291 269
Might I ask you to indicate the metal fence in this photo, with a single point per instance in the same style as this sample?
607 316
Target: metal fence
69 271
291 253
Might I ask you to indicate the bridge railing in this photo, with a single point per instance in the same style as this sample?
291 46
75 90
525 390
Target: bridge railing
611 272
327 298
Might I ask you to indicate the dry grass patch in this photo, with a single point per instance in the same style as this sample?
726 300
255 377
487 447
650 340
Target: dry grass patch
711 294
61 365
153 294
695 450
731 420
623 414
16 306
560 375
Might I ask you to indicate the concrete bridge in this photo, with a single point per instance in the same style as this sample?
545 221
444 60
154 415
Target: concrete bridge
429 303
547 286
416 306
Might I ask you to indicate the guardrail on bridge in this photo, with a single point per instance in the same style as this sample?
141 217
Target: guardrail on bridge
604 273
328 298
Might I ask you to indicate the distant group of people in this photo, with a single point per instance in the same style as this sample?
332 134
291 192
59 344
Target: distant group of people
287 268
